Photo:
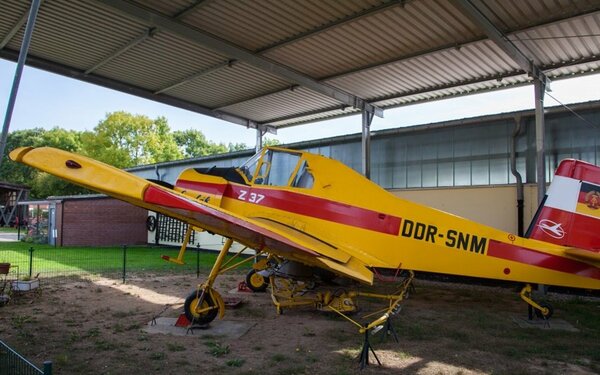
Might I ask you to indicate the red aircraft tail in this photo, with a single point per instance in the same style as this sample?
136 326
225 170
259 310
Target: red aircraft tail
570 212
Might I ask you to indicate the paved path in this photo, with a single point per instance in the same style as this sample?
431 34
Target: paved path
8 237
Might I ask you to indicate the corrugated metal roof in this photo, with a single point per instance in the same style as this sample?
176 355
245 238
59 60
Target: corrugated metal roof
285 62
247 80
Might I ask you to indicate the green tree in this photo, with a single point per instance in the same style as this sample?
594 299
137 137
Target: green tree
193 143
45 185
271 142
15 172
125 140
233 147
68 140
42 184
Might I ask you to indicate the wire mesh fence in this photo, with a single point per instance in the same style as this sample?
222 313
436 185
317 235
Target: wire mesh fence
57 264
12 363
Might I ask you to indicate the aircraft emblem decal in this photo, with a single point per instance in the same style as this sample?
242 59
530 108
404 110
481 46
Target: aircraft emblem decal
554 230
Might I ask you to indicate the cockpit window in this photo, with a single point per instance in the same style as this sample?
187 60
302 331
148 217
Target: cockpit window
249 167
304 179
274 168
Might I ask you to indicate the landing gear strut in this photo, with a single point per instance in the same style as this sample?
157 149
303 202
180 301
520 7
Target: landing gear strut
203 304
543 310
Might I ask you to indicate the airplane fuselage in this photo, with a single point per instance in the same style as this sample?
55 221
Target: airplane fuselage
343 209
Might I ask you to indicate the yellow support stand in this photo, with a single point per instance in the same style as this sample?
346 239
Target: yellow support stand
186 241
545 310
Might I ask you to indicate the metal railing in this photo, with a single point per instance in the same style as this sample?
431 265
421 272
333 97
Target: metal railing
12 363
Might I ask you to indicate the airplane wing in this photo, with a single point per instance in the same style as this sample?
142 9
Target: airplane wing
257 233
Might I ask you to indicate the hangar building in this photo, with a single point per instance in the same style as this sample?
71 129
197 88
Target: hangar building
475 167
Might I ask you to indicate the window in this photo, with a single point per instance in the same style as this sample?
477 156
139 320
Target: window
274 168
304 179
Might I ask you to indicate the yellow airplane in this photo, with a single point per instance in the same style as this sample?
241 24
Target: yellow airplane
311 218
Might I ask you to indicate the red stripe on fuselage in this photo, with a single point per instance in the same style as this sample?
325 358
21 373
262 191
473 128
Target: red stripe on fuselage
205 187
307 205
524 255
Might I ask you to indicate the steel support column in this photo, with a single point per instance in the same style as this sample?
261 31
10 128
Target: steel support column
35 6
367 118
540 128
259 138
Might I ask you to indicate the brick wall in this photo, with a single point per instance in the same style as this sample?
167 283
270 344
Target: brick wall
100 222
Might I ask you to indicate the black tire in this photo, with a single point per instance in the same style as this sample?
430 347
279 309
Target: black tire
191 303
151 223
256 282
539 314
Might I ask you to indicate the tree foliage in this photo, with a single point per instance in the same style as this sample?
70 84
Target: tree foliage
192 143
42 184
125 140
120 139
271 142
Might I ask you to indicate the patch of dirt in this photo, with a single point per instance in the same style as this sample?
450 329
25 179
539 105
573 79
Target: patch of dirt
96 327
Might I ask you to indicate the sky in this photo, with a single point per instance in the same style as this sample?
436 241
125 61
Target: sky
47 100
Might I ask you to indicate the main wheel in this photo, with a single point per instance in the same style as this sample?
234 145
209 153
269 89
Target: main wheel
191 308
547 316
256 282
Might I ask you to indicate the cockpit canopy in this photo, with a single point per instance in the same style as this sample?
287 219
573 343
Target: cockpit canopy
278 167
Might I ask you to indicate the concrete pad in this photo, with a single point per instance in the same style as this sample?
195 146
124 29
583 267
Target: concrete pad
552 324
224 328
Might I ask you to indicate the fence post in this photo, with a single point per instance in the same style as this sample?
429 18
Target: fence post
48 368
124 262
198 261
30 261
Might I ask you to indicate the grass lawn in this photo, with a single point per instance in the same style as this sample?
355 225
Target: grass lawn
10 230
54 261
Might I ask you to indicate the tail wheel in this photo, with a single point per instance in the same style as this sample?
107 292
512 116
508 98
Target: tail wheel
256 282
195 311
546 316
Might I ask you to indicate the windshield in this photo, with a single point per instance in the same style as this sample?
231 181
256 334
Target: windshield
249 167
273 167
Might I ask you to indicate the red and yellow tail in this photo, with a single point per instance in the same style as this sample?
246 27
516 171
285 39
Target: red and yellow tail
570 213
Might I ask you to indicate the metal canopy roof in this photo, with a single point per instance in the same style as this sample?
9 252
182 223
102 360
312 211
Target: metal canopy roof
278 63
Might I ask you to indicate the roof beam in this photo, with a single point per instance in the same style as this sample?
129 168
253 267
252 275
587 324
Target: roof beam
15 29
295 38
189 10
473 10
328 26
238 53
203 72
147 34
409 93
307 113
67 71
397 60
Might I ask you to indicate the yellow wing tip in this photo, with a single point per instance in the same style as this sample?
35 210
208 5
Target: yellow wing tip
18 153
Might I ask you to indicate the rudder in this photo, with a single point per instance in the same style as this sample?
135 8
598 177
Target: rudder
570 212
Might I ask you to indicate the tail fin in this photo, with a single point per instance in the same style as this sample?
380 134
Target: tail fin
570 212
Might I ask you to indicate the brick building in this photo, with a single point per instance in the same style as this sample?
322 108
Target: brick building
97 220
